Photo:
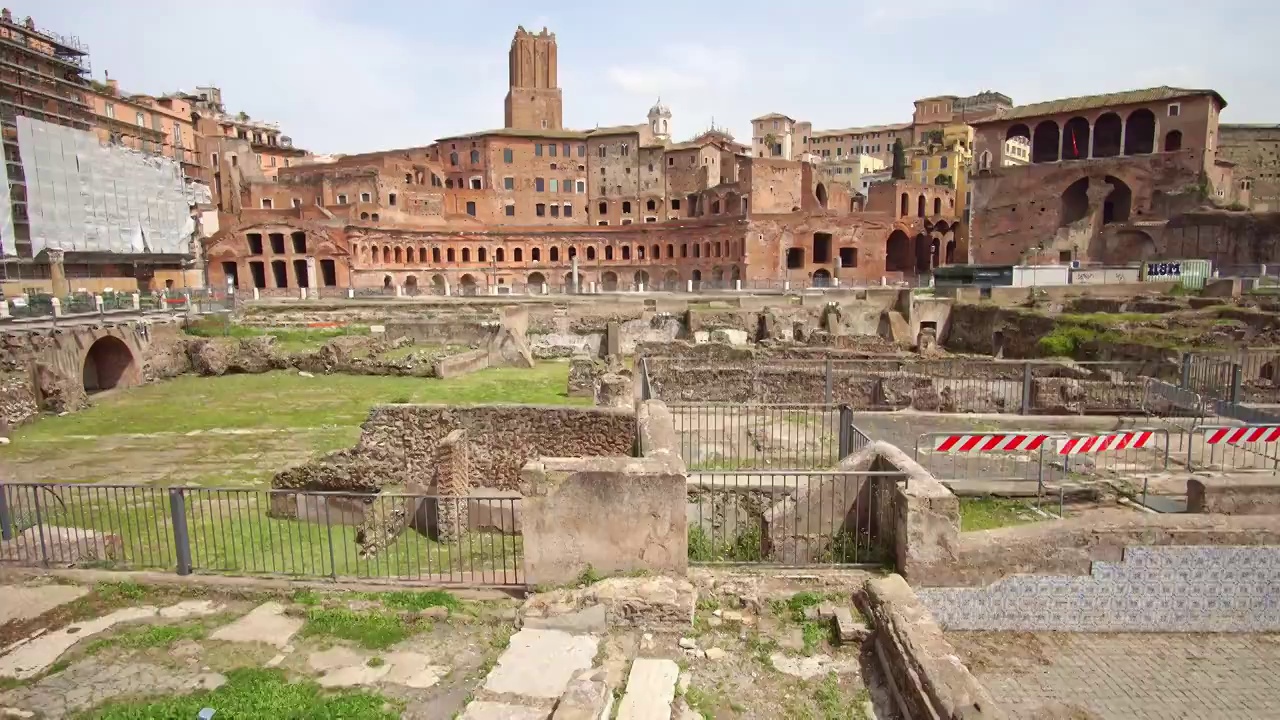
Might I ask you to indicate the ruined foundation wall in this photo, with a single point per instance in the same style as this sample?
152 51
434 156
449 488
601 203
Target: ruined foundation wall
501 438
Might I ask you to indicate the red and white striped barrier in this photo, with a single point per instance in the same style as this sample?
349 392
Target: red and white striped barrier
1102 443
1009 442
1233 435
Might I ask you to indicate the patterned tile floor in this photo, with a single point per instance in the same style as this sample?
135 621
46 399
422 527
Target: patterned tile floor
1127 676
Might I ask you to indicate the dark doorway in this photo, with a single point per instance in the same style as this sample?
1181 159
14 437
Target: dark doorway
277 243
1075 139
849 257
259 272
821 248
1106 135
922 253
1046 143
299 243
1075 202
1140 133
897 252
1173 141
229 269
821 278
821 192
255 243
107 364
300 273
280 273
1119 203
328 273
795 258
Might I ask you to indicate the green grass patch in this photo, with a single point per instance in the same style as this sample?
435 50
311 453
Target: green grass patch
1109 319
411 600
746 546
290 340
115 592
987 513
1068 340
372 630
256 693
287 400
149 637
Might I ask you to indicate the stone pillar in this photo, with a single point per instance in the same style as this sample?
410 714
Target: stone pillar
545 289
1090 150
4 308
612 339
256 294
399 291
451 483
1121 138
447 290
99 304
493 289
688 285
312 282
573 284
57 274
57 307
137 301
786 285
351 293
737 284
614 390
593 287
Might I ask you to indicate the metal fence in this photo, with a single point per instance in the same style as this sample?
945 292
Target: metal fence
806 518
1234 447
381 537
963 385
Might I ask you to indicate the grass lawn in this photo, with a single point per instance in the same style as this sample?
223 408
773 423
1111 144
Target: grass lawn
238 430
987 513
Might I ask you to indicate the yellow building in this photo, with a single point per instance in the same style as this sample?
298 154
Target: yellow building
944 157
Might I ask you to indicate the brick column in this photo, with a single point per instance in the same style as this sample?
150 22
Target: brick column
451 483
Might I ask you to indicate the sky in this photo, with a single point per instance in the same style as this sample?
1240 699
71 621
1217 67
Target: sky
344 77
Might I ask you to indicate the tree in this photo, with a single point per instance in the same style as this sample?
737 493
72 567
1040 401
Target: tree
769 141
944 180
899 160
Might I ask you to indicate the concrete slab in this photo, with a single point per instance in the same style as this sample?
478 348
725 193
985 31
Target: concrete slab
807 668
334 658
266 623
23 602
540 663
588 698
32 658
189 608
413 670
651 687
353 675
480 710
588 620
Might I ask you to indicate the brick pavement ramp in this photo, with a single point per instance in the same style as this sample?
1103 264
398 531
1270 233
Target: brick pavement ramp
1127 676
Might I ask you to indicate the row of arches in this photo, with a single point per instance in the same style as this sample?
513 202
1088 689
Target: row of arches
608 280
927 250
923 205
375 254
1106 136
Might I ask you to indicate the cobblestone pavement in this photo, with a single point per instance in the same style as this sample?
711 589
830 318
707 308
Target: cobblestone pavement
1127 676
91 682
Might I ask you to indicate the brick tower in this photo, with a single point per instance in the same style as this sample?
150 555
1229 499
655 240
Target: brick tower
534 101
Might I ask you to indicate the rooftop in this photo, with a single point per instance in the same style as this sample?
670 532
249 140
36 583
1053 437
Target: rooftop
861 130
773 116
1089 102
548 134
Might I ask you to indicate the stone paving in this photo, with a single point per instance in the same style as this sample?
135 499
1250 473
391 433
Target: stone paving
1127 676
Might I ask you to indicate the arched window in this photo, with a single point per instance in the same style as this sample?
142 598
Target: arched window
1173 141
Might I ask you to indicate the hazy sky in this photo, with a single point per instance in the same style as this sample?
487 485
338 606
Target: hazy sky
377 74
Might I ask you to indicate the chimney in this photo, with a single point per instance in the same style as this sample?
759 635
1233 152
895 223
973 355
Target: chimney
113 87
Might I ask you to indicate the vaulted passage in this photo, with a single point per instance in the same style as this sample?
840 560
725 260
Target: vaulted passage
1075 202
898 256
1075 139
108 364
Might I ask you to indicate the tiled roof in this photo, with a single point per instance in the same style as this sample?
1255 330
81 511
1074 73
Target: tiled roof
548 134
860 130
1089 102
773 116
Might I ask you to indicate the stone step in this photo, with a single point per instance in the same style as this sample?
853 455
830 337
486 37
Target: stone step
651 687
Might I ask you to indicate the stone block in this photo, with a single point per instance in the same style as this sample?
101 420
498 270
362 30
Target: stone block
588 697
541 663
653 603
582 376
651 687
611 514
614 391
1234 494
848 630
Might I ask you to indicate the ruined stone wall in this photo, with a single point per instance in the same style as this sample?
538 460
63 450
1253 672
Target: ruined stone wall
501 438
461 364
18 402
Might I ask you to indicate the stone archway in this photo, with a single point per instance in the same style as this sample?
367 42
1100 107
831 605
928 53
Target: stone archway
411 285
671 280
468 284
609 281
437 284
821 194
108 364
898 256
535 281
641 280
821 278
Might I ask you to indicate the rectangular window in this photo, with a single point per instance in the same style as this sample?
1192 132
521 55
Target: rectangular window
924 164
511 211
508 183
391 199
555 211
471 209
342 199
297 202
582 186
540 209
567 150
568 210
671 161
582 151
266 203
507 156
1175 109
365 197
555 185
539 184
111 111
537 149
604 151
551 149
273 161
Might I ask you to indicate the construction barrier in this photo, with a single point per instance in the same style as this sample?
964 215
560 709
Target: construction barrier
1007 442
1111 441
1234 447
1119 455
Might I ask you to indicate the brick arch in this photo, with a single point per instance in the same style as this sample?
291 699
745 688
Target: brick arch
108 363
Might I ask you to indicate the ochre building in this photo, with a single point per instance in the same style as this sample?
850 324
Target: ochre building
515 208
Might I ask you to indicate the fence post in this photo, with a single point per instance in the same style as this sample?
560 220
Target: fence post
35 500
181 539
1185 377
1026 388
846 431
1235 384
827 390
6 520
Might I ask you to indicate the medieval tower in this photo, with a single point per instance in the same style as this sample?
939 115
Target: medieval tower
534 101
